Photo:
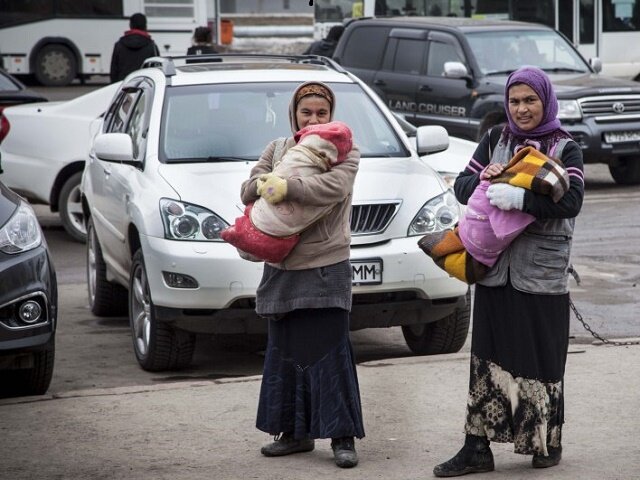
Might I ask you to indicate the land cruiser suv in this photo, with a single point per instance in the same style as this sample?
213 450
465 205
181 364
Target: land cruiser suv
164 179
452 71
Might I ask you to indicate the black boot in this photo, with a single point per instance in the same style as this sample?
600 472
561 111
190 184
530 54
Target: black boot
474 457
344 452
540 461
285 444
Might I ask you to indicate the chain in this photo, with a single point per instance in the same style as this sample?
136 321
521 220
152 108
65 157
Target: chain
595 334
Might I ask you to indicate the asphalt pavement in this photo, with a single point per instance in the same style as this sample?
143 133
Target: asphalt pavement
413 411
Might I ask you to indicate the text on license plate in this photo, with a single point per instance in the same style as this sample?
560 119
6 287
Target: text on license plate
621 137
366 272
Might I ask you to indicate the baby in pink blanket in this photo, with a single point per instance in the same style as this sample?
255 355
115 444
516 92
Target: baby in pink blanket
270 231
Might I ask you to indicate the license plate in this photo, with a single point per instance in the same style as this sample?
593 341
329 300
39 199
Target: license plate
367 272
621 137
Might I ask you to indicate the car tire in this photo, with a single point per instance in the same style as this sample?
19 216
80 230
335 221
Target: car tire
71 213
106 299
625 170
157 345
55 66
36 380
447 335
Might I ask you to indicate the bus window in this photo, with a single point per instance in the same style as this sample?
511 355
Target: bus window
620 16
586 22
98 8
565 22
15 13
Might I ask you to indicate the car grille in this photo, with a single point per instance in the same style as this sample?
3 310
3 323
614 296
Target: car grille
370 219
610 107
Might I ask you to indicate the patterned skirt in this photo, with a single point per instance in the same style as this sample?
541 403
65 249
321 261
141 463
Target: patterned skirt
518 356
309 384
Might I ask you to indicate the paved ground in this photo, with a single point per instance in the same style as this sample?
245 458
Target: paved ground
413 410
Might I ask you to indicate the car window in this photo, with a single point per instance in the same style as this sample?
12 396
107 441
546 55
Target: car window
375 38
439 54
7 85
123 107
136 126
409 56
543 48
206 122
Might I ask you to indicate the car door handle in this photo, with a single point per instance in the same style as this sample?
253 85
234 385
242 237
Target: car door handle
425 88
379 82
106 171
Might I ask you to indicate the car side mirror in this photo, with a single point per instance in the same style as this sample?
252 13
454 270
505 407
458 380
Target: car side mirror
596 64
455 70
113 147
431 139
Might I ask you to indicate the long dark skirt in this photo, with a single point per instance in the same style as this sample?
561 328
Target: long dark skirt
309 384
518 356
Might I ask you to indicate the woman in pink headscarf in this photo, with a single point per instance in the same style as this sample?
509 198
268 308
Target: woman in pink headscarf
521 309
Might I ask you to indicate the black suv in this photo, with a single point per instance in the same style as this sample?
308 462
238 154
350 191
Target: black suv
452 71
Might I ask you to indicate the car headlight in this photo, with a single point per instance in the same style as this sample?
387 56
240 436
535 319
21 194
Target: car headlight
438 214
449 178
569 110
184 221
22 232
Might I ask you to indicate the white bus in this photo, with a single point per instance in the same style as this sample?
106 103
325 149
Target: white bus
59 40
607 29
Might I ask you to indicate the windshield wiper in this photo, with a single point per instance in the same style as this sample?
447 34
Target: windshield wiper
563 69
500 72
228 159
210 159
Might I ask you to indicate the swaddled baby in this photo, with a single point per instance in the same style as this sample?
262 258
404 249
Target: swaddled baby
270 231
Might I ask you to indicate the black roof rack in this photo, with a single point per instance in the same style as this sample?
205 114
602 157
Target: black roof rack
167 65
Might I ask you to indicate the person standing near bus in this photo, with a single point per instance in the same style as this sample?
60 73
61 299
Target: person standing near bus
133 48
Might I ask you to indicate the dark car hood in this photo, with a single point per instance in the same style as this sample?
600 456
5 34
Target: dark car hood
9 201
8 99
573 86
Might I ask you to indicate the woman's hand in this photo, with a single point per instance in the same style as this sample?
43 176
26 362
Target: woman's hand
271 187
491 170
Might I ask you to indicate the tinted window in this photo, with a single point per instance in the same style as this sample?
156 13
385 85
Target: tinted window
586 21
620 16
239 120
364 48
409 56
89 8
23 11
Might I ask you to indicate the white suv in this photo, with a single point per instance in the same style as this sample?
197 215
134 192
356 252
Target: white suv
164 179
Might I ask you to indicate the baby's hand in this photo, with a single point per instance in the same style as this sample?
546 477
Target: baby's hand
492 170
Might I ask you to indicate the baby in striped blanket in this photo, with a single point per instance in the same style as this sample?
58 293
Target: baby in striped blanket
470 250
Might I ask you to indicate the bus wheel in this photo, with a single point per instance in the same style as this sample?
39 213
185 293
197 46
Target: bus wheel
55 65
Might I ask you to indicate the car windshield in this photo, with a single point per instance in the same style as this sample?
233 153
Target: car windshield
229 122
545 49
7 85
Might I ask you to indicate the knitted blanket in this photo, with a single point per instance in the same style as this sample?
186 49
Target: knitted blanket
469 251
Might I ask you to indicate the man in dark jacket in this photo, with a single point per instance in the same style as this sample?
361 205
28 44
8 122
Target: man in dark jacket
133 48
327 45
